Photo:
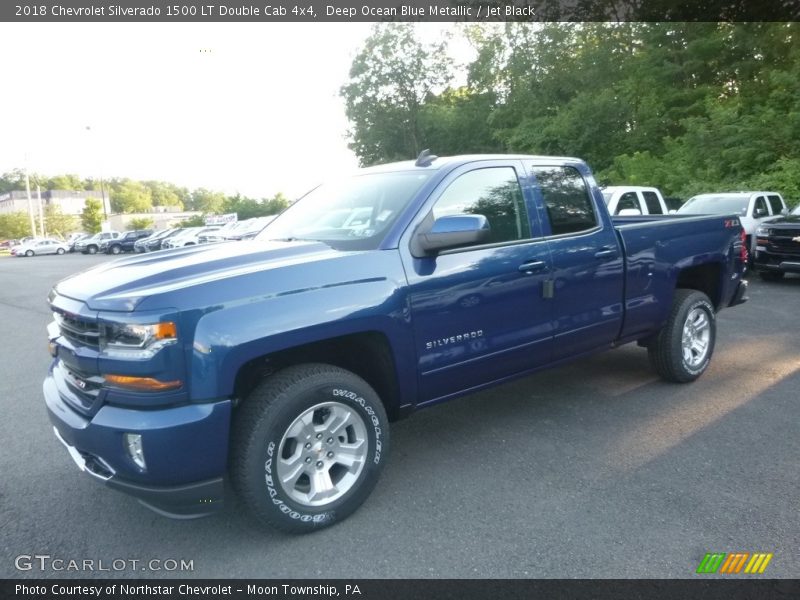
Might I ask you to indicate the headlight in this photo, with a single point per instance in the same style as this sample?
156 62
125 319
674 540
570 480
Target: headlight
762 231
136 341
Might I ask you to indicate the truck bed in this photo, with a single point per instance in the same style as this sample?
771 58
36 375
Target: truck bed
681 244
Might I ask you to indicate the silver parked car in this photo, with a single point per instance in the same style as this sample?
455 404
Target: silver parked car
40 246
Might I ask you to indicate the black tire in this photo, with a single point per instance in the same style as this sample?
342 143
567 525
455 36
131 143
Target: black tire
60 251
261 438
115 249
667 349
771 275
91 249
29 253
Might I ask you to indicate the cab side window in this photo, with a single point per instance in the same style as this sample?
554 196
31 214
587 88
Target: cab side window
568 203
760 207
494 193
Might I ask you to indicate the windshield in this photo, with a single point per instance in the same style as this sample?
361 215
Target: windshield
704 205
348 214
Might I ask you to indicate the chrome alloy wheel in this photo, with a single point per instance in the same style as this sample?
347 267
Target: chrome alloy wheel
696 337
322 454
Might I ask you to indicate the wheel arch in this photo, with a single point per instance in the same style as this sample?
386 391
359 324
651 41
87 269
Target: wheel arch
706 278
367 354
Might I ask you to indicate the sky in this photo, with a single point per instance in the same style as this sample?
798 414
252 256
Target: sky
233 107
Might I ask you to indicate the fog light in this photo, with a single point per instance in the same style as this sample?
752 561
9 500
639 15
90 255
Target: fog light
133 444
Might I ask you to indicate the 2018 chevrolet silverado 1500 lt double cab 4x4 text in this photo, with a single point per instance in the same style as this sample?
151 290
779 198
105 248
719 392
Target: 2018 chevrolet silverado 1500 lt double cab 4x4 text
278 363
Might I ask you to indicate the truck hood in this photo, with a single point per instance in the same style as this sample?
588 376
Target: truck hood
120 285
786 222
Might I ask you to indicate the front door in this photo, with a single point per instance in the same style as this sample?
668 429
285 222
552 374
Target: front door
478 312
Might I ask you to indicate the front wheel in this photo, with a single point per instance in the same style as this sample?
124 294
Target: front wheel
682 350
60 251
308 447
115 249
29 253
92 249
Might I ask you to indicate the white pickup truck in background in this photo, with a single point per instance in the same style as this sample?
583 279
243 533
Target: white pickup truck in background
751 207
630 200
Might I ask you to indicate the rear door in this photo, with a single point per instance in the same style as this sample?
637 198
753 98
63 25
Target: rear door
588 269
479 312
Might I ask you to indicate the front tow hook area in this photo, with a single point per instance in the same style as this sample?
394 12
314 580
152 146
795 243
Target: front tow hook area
93 465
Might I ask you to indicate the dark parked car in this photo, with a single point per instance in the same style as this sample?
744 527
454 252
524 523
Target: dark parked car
154 242
125 242
141 244
778 246
71 243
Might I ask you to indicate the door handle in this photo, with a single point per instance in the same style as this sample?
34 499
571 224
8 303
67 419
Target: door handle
606 252
533 266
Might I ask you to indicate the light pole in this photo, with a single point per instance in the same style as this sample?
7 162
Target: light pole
102 186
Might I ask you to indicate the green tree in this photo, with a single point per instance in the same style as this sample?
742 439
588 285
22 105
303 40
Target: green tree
194 221
164 194
92 215
64 182
390 79
272 206
248 208
207 201
12 180
57 223
139 223
128 196
14 225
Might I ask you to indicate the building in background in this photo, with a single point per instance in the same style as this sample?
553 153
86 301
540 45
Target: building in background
69 201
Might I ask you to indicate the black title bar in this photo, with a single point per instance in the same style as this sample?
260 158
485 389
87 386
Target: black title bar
394 589
311 11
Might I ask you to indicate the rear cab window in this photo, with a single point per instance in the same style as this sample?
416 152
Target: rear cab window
652 203
775 204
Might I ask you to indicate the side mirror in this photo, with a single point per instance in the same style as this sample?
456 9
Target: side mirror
451 231
672 211
629 212
785 211
759 212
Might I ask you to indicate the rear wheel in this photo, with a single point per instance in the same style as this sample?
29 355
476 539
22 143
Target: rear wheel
682 350
60 251
29 253
92 249
771 275
308 447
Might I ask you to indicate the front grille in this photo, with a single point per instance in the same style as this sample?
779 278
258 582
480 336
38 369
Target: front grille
79 390
784 245
78 330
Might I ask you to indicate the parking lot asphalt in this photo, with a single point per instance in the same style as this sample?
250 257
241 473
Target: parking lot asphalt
595 469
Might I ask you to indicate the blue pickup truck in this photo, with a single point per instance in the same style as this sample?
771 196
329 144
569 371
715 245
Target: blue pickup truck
277 364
